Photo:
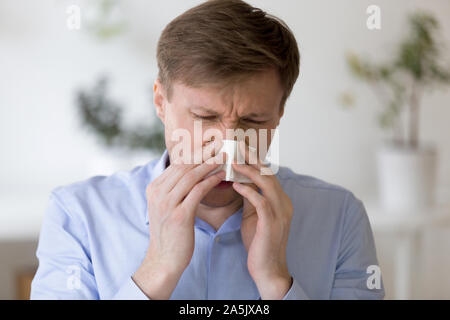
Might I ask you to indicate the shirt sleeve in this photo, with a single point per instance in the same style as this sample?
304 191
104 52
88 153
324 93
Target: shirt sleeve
357 274
130 291
65 268
295 292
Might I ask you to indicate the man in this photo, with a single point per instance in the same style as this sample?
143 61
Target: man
173 229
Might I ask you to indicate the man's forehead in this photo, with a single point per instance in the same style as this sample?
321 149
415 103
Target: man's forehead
214 100
202 95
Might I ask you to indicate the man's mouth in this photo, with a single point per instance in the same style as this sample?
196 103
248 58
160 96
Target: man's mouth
224 185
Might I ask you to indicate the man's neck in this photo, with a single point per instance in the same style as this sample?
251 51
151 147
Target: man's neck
216 216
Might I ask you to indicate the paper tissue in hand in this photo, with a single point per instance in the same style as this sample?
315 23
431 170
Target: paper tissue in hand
231 148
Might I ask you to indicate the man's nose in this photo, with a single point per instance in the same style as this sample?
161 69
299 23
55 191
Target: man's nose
230 126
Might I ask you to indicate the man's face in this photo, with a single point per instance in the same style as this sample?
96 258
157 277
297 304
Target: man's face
252 104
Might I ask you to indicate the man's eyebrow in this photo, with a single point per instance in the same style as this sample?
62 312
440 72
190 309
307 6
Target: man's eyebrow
257 115
204 109
212 112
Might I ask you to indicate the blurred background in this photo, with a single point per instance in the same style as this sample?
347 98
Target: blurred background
369 112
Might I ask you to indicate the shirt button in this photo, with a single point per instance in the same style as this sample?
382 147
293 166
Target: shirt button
217 239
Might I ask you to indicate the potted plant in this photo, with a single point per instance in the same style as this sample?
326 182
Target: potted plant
406 166
129 145
124 146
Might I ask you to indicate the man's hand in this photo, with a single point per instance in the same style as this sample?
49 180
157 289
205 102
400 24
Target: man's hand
173 199
265 227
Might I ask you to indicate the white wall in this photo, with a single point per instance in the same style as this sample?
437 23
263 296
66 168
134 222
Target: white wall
42 63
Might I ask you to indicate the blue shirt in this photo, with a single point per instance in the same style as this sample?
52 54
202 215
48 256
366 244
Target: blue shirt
95 234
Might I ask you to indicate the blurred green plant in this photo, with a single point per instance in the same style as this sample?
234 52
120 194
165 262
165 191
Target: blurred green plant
400 83
104 117
104 21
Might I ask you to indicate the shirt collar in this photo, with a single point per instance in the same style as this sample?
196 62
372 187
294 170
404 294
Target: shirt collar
233 222
160 166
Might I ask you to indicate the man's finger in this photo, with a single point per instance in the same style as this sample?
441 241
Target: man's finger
261 204
200 190
190 179
172 175
269 185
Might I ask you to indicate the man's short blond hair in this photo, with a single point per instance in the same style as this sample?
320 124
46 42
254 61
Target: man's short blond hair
224 41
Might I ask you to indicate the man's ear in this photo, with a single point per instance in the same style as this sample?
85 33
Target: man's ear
280 115
159 100
281 112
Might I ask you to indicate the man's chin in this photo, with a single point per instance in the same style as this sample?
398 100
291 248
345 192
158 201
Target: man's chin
220 197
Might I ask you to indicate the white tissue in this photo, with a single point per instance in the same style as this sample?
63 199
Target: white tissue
231 148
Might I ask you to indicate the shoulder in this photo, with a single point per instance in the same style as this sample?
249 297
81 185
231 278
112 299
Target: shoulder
318 195
306 182
118 181
103 194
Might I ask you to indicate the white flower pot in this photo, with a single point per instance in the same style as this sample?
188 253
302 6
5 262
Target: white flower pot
406 178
